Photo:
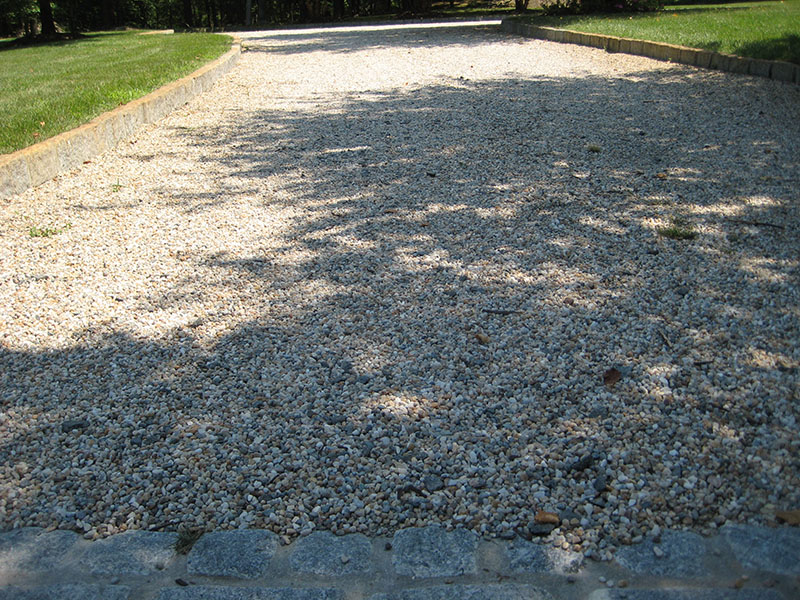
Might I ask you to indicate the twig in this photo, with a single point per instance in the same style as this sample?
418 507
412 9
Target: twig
743 222
666 339
499 311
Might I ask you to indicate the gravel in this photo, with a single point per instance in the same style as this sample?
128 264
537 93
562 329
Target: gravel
393 277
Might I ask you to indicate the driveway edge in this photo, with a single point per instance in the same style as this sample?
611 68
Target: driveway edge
41 162
706 59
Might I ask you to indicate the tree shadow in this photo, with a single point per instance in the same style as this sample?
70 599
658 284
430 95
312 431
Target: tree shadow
410 301
58 40
786 47
351 39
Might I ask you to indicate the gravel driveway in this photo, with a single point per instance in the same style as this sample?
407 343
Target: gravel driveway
387 277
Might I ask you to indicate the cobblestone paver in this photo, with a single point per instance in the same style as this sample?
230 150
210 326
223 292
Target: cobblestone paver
323 553
422 563
244 554
676 554
131 553
434 552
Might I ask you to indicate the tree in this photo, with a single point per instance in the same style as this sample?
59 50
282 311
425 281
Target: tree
46 18
18 16
188 16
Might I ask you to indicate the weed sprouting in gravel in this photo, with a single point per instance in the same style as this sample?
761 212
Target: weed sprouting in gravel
679 229
34 231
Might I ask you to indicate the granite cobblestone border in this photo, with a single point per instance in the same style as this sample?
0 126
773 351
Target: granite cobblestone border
705 59
41 162
743 562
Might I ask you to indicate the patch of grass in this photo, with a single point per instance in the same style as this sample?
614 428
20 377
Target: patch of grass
46 232
679 229
768 30
594 148
115 187
53 87
187 537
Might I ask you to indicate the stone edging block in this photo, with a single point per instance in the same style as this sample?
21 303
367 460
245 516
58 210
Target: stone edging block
771 69
242 553
36 564
41 162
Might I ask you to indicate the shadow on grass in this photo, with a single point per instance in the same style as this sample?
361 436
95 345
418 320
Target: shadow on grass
351 329
785 48
39 42
569 19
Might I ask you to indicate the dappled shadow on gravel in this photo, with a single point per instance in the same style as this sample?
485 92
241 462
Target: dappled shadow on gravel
351 40
460 266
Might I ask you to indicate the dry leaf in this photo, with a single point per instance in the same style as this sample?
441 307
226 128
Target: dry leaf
482 338
790 517
546 517
611 376
661 175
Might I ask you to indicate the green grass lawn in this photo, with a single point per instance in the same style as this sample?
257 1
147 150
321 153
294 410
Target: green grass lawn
768 30
53 87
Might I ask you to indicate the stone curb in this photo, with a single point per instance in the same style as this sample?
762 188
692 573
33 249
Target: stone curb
706 59
41 162
741 562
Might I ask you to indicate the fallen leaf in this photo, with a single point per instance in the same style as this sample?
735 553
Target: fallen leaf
611 376
790 517
661 175
546 517
482 338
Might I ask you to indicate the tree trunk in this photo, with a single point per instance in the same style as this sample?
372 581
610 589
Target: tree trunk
188 18
248 12
210 14
46 17
108 14
72 20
